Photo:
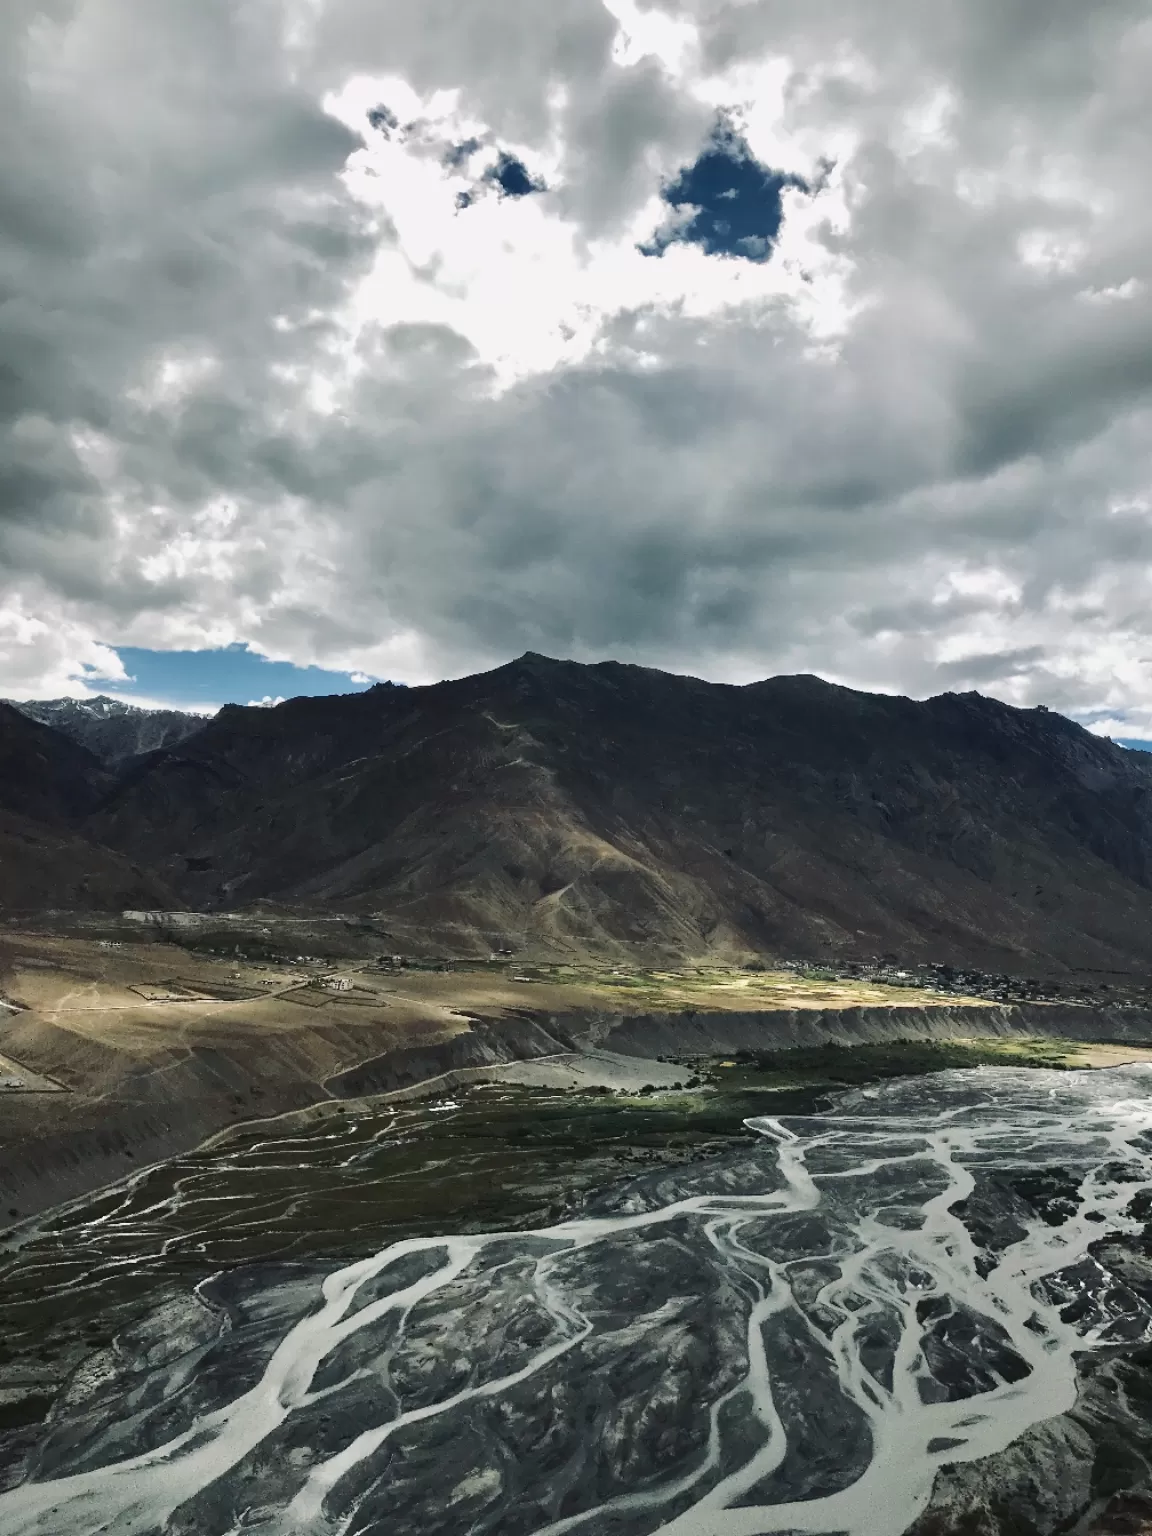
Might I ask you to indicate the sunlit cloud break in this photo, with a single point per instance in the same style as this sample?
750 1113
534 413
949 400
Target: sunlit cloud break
731 339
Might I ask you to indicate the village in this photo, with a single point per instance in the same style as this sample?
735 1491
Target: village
1075 991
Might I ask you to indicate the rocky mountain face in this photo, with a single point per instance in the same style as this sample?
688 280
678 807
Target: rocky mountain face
615 807
110 728
45 775
49 787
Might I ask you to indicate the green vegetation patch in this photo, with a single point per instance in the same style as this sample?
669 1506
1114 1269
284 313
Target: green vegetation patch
841 1066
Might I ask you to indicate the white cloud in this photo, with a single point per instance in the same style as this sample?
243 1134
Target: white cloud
269 383
525 281
42 659
1129 289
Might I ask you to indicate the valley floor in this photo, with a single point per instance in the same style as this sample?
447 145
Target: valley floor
994 1215
117 1053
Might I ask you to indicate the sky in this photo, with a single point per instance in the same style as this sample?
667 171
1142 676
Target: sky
200 681
734 337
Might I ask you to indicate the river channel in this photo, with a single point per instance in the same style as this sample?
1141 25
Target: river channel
795 1333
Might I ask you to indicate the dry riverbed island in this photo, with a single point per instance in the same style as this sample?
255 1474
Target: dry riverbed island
605 1249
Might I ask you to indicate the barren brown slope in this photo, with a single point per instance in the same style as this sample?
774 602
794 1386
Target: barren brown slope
43 774
608 805
48 786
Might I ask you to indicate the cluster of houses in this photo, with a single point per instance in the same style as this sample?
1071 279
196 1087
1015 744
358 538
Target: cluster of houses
969 982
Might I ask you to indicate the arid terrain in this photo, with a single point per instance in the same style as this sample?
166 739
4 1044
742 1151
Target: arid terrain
118 1053
190 1140
738 1067
610 811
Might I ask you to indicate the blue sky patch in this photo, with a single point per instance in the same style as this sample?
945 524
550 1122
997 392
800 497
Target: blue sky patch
508 175
733 201
511 176
229 675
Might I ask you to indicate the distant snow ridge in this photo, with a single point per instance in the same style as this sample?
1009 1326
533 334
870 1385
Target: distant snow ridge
110 728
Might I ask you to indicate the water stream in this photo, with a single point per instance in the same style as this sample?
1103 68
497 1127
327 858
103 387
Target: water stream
791 1338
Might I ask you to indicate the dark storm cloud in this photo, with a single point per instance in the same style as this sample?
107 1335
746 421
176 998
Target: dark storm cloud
989 667
962 473
189 214
733 203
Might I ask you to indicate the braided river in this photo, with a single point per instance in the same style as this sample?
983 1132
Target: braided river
796 1335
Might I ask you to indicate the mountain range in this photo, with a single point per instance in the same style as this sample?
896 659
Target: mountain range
110 728
615 809
49 786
